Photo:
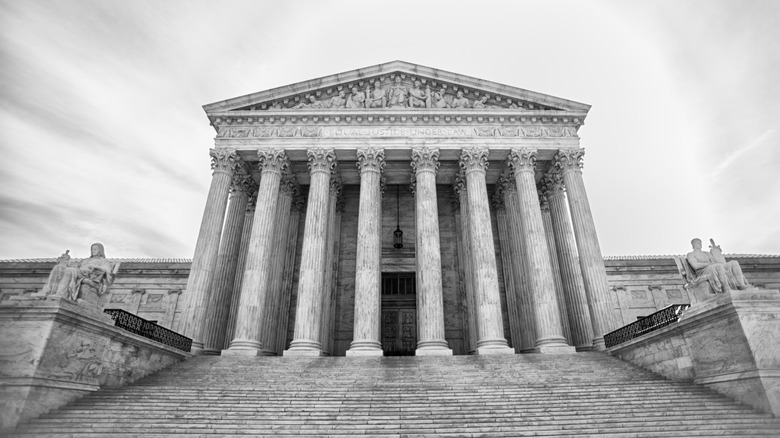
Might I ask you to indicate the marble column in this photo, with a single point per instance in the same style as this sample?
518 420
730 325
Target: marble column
224 163
464 262
524 303
288 273
569 262
368 268
474 162
510 288
217 311
331 264
254 287
549 331
556 269
307 314
246 232
270 320
594 274
430 300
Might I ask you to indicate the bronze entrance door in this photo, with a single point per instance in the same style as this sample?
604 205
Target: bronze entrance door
399 314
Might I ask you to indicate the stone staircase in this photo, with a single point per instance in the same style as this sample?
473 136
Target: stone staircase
585 394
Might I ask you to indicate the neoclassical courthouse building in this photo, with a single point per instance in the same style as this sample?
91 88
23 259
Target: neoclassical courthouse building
395 210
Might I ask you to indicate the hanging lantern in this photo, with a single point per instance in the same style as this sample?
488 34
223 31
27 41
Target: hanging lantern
398 235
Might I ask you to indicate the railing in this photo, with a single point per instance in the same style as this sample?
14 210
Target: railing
657 320
134 324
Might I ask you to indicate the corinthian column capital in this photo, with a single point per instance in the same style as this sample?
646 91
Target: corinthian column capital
321 160
224 160
288 186
371 160
425 159
498 200
459 186
273 160
569 160
335 185
552 184
522 160
474 159
241 183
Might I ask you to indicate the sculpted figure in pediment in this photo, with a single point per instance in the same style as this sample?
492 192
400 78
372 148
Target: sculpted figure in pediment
480 103
86 280
356 100
377 98
460 101
398 94
312 103
419 98
339 100
439 99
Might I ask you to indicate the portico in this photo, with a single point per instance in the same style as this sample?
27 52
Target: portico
464 170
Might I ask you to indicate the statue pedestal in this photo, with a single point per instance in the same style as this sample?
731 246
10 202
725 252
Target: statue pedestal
55 350
728 343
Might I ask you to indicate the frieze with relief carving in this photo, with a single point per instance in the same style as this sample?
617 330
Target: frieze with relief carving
398 131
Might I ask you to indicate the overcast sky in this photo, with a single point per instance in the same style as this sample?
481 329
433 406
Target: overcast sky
104 139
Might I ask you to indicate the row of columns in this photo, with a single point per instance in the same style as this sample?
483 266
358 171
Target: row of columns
238 272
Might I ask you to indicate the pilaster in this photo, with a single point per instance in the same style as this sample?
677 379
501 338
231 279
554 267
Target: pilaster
510 288
331 265
464 259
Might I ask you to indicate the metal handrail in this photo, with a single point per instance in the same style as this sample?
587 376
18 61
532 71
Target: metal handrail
655 321
135 324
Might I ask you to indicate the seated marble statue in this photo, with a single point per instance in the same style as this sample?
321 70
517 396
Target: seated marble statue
713 268
419 98
87 279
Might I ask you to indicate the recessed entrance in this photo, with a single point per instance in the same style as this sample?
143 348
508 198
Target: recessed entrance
399 314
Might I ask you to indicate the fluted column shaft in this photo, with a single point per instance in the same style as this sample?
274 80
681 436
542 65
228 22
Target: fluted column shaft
217 311
464 254
270 320
549 332
254 287
483 255
224 164
315 235
288 272
594 274
330 266
556 269
508 270
568 260
368 268
246 232
430 300
524 302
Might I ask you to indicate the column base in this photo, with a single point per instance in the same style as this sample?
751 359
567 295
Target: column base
211 352
584 348
433 352
302 352
197 350
243 352
365 353
598 344
485 351
555 349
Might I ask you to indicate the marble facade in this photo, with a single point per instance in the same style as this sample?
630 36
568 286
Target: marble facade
342 140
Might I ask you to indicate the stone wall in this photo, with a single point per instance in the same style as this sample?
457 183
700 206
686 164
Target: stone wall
640 285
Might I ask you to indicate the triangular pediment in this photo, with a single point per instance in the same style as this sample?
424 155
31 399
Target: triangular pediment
396 85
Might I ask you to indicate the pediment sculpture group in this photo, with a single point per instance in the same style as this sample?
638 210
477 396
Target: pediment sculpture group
395 96
80 280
